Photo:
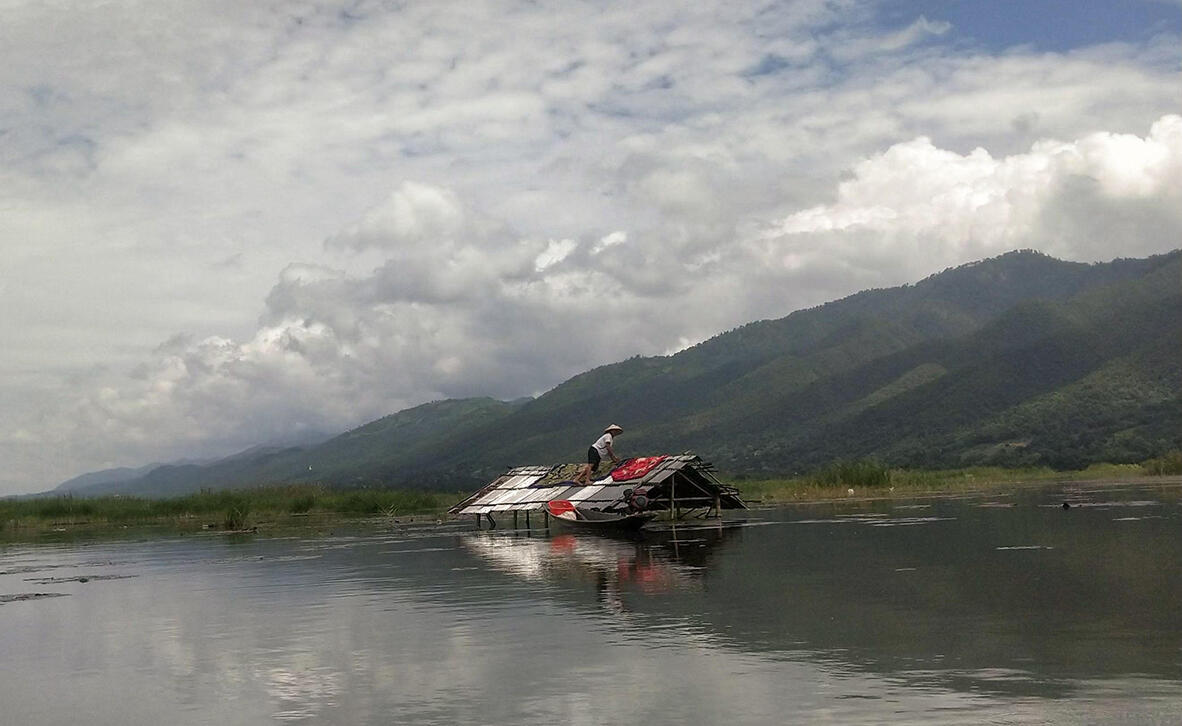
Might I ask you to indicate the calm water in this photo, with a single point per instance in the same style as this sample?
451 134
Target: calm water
972 610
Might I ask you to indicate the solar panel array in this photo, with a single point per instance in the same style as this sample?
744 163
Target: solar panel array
530 487
520 492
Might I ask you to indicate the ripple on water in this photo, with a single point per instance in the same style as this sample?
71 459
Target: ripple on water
874 520
912 521
771 624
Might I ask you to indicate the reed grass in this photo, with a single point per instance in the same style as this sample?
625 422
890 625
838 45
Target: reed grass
1169 463
869 478
226 509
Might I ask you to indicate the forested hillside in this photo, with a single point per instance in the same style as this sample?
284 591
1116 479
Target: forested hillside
1016 360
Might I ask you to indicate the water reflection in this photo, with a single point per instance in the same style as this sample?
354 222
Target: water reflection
1016 598
655 562
970 610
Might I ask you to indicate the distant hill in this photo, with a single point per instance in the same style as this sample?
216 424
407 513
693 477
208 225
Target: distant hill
365 455
1020 359
106 476
885 373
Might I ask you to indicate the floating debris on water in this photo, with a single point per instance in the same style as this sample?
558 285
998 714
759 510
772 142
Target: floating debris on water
1071 504
1025 547
76 578
22 596
27 568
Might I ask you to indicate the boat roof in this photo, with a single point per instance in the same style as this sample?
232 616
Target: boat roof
525 488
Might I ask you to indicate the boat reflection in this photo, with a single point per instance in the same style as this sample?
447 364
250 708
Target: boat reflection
660 561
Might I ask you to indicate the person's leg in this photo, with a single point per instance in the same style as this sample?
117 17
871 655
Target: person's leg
591 465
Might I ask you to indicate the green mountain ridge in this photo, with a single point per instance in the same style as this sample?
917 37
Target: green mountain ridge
1020 359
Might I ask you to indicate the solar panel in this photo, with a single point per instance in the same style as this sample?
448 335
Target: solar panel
585 493
526 488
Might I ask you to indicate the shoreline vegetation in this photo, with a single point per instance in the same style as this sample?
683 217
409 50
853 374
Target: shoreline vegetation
285 507
220 511
870 480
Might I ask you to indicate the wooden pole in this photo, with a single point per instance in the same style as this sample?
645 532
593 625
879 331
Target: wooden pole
673 498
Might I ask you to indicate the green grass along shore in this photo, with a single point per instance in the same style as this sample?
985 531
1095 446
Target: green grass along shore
867 479
224 510
300 504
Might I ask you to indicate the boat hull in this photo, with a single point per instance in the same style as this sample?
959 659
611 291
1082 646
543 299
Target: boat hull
589 520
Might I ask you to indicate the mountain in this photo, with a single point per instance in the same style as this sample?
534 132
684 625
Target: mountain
877 374
1019 359
106 476
361 456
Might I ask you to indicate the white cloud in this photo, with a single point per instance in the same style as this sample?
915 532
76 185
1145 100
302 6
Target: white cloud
556 251
414 214
915 205
618 237
488 313
471 192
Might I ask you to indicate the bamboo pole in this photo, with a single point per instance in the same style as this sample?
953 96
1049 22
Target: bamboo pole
673 499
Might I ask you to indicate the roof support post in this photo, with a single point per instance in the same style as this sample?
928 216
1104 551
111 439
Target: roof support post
673 509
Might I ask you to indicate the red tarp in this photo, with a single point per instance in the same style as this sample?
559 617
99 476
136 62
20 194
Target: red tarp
636 468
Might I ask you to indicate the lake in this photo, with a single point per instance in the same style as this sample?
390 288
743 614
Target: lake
978 609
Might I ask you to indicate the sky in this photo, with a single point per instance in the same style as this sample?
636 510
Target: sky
226 223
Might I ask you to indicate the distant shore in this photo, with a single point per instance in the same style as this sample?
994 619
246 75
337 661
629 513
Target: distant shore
307 507
777 493
318 509
871 481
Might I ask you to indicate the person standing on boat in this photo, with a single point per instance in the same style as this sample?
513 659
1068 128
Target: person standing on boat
597 452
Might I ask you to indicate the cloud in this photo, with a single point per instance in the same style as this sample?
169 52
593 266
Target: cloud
486 198
460 308
414 214
916 205
860 47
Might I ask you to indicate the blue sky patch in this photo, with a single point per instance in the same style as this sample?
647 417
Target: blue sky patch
1046 25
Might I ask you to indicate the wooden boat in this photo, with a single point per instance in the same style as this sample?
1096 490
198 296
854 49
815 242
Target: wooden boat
566 515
